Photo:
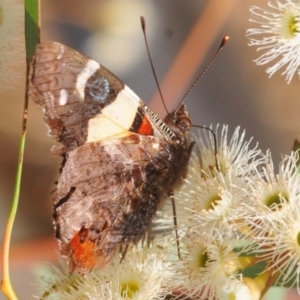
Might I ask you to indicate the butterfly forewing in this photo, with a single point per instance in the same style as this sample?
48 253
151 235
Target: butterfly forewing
77 95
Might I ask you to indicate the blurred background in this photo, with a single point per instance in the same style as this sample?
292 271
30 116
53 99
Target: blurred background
183 36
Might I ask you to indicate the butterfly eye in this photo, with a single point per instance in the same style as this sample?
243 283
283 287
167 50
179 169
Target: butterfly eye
184 123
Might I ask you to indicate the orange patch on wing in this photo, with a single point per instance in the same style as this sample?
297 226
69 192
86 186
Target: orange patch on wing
145 127
84 255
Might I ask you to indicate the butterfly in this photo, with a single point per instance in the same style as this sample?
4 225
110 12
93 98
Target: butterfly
120 160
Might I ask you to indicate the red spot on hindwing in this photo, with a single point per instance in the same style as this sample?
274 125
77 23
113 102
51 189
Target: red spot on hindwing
83 251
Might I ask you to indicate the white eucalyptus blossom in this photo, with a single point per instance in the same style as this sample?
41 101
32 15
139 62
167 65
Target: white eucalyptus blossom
216 190
272 193
237 289
278 35
233 154
214 207
138 276
280 246
203 267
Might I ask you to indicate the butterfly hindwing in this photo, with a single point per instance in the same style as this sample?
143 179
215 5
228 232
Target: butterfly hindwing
111 188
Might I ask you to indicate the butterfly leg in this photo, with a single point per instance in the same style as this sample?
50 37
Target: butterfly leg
175 223
171 194
123 251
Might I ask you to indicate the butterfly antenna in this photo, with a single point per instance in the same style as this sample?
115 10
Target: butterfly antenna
224 40
143 23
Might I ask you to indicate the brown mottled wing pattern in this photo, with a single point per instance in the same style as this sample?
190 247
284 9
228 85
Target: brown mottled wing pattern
55 79
120 159
108 194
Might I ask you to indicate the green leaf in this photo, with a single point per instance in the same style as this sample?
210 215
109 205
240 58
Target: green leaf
32 28
254 270
31 39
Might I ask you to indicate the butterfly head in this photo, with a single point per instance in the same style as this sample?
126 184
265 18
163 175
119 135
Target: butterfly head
179 122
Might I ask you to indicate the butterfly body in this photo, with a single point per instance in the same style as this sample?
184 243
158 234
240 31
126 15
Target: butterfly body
120 160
